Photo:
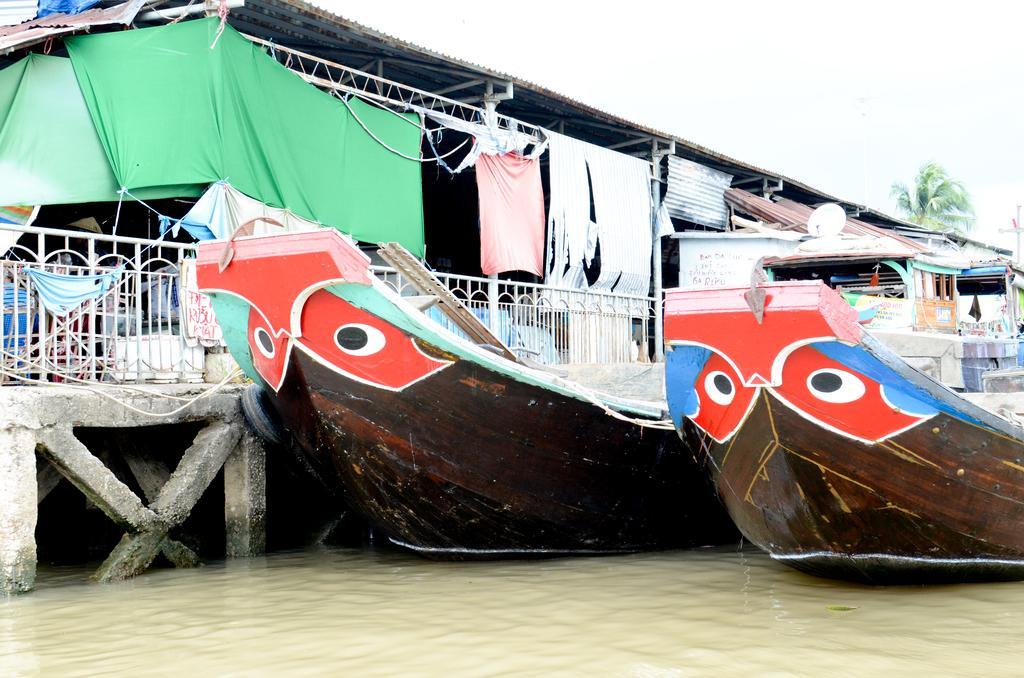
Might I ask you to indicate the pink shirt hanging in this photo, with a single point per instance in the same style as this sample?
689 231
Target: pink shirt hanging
511 214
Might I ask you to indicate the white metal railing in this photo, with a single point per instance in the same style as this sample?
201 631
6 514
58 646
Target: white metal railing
132 333
548 324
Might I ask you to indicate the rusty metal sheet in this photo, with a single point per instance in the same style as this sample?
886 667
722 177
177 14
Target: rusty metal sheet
793 216
38 30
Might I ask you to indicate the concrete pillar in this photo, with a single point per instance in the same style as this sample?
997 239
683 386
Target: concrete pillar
18 511
245 498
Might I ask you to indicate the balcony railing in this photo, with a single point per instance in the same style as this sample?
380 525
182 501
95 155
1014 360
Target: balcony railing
548 324
134 332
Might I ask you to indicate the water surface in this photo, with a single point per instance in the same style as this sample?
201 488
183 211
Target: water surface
718 612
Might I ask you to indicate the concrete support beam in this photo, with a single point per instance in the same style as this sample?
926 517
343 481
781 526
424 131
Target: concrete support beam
38 448
179 554
245 498
196 470
132 555
47 478
18 491
151 473
97 482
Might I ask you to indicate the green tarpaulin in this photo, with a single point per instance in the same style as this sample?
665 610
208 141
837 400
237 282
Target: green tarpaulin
49 151
171 110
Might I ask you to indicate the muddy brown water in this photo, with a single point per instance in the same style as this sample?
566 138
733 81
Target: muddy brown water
716 612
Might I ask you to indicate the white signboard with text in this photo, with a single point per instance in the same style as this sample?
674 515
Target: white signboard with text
709 260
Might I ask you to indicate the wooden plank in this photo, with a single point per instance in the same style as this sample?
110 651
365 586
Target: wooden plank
426 282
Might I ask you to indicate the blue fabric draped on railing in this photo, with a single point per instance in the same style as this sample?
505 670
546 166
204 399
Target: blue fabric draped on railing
60 294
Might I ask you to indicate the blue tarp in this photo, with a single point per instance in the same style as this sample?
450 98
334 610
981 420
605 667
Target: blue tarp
208 219
48 7
17 317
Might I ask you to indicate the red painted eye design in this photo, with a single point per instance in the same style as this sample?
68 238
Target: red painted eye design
839 398
835 386
269 352
359 339
360 345
719 387
722 401
263 342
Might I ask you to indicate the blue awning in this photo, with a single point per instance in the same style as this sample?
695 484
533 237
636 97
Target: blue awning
983 270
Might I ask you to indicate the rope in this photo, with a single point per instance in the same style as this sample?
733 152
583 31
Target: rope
222 12
183 14
117 215
591 396
378 139
382 107
104 392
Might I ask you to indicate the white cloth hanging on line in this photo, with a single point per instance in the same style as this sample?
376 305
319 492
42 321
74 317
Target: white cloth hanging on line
488 137
572 236
621 191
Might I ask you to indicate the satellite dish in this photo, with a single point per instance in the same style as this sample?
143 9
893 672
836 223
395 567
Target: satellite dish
826 221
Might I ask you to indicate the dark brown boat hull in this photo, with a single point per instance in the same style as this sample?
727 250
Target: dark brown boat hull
468 463
941 502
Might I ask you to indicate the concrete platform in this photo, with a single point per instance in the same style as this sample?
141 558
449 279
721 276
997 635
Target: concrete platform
40 421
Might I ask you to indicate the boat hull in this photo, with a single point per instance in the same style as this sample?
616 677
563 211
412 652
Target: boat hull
937 503
444 446
472 464
830 452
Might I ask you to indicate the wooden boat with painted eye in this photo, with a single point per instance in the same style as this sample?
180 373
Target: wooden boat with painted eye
830 452
449 449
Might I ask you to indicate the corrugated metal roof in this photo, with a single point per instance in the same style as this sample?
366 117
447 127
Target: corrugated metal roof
33 32
312 28
300 21
16 11
816 258
794 215
696 193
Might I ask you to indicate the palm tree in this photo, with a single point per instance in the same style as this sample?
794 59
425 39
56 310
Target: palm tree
936 200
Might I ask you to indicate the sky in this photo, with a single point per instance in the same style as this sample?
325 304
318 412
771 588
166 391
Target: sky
846 97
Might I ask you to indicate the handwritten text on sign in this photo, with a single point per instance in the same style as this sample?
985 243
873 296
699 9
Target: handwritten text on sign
202 321
723 260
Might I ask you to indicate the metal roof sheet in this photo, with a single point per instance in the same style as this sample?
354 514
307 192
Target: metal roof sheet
794 215
313 21
694 193
38 30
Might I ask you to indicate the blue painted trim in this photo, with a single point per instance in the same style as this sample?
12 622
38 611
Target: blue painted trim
898 390
683 364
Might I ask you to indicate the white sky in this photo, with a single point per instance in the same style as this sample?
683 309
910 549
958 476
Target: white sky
808 89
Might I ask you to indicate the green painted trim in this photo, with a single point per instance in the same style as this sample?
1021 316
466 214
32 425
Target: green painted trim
931 268
905 276
233 317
